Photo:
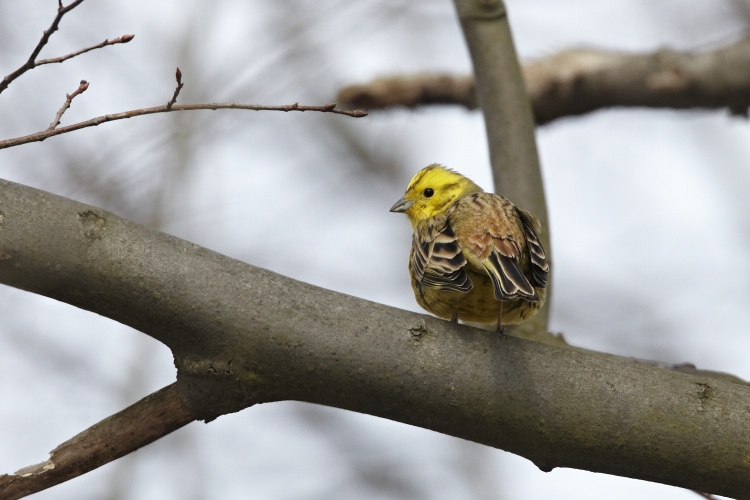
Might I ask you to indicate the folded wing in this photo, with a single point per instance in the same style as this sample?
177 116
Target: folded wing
508 280
437 261
539 264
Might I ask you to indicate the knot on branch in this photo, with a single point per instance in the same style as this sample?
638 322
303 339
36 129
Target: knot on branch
214 387
92 224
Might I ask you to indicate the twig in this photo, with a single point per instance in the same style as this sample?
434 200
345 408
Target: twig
45 134
68 100
31 62
114 41
149 419
178 77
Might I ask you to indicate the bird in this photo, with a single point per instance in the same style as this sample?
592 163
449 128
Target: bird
474 255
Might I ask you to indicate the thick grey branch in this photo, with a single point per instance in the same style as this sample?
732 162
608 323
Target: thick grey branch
242 335
579 81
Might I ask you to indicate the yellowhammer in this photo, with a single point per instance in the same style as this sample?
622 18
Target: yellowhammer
474 255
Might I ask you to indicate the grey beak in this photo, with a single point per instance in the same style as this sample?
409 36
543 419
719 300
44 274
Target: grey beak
402 205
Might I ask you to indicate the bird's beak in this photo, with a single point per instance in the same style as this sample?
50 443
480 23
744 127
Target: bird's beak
402 205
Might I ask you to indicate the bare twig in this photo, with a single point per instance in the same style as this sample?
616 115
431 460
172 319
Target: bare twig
134 427
31 62
105 43
68 100
46 134
178 77
578 81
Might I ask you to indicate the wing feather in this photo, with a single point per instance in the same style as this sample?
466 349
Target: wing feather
494 235
437 260
539 264
507 278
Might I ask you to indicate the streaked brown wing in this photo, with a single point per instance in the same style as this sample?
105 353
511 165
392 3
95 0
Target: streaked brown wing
493 235
437 261
538 259
508 280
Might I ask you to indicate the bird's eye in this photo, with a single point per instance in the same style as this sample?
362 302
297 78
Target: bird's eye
428 192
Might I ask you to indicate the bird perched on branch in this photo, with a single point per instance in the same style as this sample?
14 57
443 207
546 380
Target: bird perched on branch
474 255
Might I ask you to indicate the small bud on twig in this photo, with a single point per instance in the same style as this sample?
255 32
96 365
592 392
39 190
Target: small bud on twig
82 87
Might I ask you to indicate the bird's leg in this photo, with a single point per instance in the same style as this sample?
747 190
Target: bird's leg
454 318
500 319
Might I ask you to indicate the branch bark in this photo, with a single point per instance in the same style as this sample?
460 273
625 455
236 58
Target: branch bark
242 335
579 81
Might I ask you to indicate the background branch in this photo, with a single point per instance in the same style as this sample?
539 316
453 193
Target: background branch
508 120
31 61
282 339
411 91
149 419
578 81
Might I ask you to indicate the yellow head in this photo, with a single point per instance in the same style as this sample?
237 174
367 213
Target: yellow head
432 191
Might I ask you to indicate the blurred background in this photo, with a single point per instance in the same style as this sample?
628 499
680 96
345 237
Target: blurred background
650 223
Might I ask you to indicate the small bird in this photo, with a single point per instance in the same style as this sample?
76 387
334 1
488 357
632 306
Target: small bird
474 255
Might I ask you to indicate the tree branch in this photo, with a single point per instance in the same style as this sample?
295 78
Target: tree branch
508 118
242 335
579 81
93 122
411 91
134 427
31 61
